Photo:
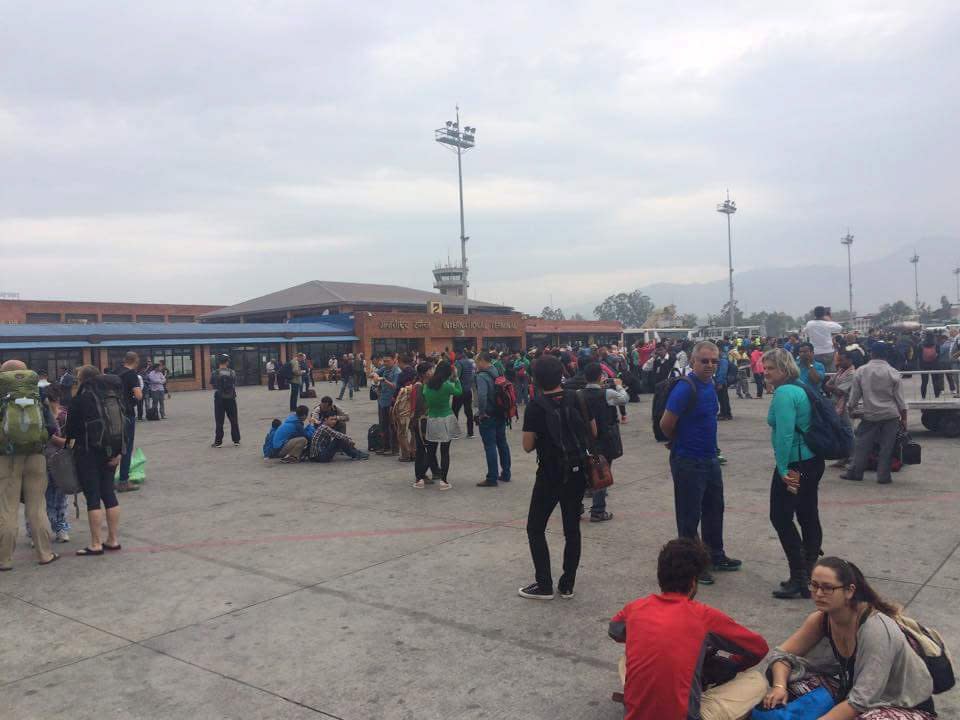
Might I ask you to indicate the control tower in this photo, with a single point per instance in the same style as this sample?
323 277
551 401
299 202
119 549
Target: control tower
448 279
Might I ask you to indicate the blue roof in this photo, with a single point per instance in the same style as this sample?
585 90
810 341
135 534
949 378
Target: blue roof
202 330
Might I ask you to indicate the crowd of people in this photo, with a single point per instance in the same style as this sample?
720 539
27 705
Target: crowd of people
574 402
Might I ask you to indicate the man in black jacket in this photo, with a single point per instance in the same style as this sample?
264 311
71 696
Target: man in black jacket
600 403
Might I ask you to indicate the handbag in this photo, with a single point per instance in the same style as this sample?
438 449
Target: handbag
909 450
62 469
598 472
813 705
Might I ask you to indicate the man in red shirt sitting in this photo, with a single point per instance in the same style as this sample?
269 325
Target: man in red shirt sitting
685 660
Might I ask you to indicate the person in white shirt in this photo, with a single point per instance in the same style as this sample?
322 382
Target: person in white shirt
820 332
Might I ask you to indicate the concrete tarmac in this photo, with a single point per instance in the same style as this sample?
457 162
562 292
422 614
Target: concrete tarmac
251 589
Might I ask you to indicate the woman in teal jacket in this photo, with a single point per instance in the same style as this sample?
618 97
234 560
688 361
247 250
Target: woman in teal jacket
796 477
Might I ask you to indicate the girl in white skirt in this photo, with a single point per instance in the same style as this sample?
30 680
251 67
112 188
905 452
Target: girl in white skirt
442 425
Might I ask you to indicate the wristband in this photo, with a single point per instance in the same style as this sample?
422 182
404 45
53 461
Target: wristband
783 687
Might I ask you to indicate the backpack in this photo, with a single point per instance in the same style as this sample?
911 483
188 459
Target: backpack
268 443
286 371
226 384
504 397
929 645
930 354
22 429
375 438
403 404
104 429
827 437
566 431
660 397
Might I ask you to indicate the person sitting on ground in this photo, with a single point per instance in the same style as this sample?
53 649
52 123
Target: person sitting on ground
326 409
853 647
671 667
326 441
291 438
268 440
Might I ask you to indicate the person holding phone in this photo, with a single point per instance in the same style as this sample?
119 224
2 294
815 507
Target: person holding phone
796 476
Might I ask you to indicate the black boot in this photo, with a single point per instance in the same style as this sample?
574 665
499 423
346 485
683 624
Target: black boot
797 586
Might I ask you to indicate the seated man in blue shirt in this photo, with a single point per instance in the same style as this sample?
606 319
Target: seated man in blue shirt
690 421
291 438
812 371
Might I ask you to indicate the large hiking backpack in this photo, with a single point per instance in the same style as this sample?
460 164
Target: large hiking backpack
827 437
104 429
504 397
22 430
226 384
567 432
660 397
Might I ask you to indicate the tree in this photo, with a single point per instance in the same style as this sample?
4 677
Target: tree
774 323
549 313
722 319
631 309
891 313
577 316
688 320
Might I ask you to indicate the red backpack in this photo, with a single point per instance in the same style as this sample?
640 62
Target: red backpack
930 353
504 397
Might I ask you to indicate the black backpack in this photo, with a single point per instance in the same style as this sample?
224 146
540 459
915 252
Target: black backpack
226 384
827 437
375 440
567 431
662 395
104 429
286 371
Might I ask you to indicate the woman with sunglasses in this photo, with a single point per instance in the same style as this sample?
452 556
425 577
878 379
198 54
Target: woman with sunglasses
796 476
853 647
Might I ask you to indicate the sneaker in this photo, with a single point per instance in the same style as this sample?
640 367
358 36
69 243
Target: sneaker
566 592
534 592
62 536
721 459
217 445
443 485
726 564
361 456
601 517
127 487
419 485
503 479
705 578
236 444
289 459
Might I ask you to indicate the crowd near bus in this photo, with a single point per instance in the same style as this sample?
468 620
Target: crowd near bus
832 397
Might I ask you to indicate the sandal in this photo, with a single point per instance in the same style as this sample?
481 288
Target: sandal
53 558
112 548
89 551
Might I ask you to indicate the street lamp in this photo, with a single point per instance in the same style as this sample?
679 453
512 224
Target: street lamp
956 272
848 241
915 261
728 207
462 140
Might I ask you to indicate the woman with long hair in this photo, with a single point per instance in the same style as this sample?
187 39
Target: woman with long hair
442 426
796 475
853 647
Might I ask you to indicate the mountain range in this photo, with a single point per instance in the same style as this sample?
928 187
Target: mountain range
796 290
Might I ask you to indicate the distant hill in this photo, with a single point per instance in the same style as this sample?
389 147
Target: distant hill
795 290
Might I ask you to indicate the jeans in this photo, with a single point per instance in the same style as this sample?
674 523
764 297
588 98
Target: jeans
937 384
271 380
228 408
698 500
801 548
758 379
743 386
386 426
327 453
57 508
599 506
547 493
465 401
723 397
347 385
493 432
156 400
870 433
294 395
129 432
523 392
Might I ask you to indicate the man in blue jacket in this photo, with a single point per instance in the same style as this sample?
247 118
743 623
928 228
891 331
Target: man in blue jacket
720 383
291 438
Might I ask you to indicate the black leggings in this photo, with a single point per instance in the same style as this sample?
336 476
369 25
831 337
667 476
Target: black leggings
546 495
803 551
439 473
96 479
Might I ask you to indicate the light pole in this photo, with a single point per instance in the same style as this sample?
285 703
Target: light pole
728 207
915 261
848 241
956 272
453 137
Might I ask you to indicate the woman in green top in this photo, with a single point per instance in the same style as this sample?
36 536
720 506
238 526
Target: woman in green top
442 425
796 477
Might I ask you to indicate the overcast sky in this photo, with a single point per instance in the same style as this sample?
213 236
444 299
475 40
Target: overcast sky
214 151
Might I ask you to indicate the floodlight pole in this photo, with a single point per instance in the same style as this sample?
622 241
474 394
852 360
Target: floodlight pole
848 241
728 208
956 274
915 261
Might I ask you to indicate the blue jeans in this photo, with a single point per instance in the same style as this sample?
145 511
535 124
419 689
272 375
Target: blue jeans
493 432
599 506
698 500
327 453
347 385
129 433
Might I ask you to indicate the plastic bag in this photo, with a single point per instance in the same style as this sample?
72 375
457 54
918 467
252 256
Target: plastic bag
138 468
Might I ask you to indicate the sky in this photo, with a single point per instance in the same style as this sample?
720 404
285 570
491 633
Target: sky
216 151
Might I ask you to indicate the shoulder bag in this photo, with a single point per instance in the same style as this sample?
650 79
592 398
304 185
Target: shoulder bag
599 475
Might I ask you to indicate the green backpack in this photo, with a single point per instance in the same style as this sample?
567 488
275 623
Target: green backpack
22 430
